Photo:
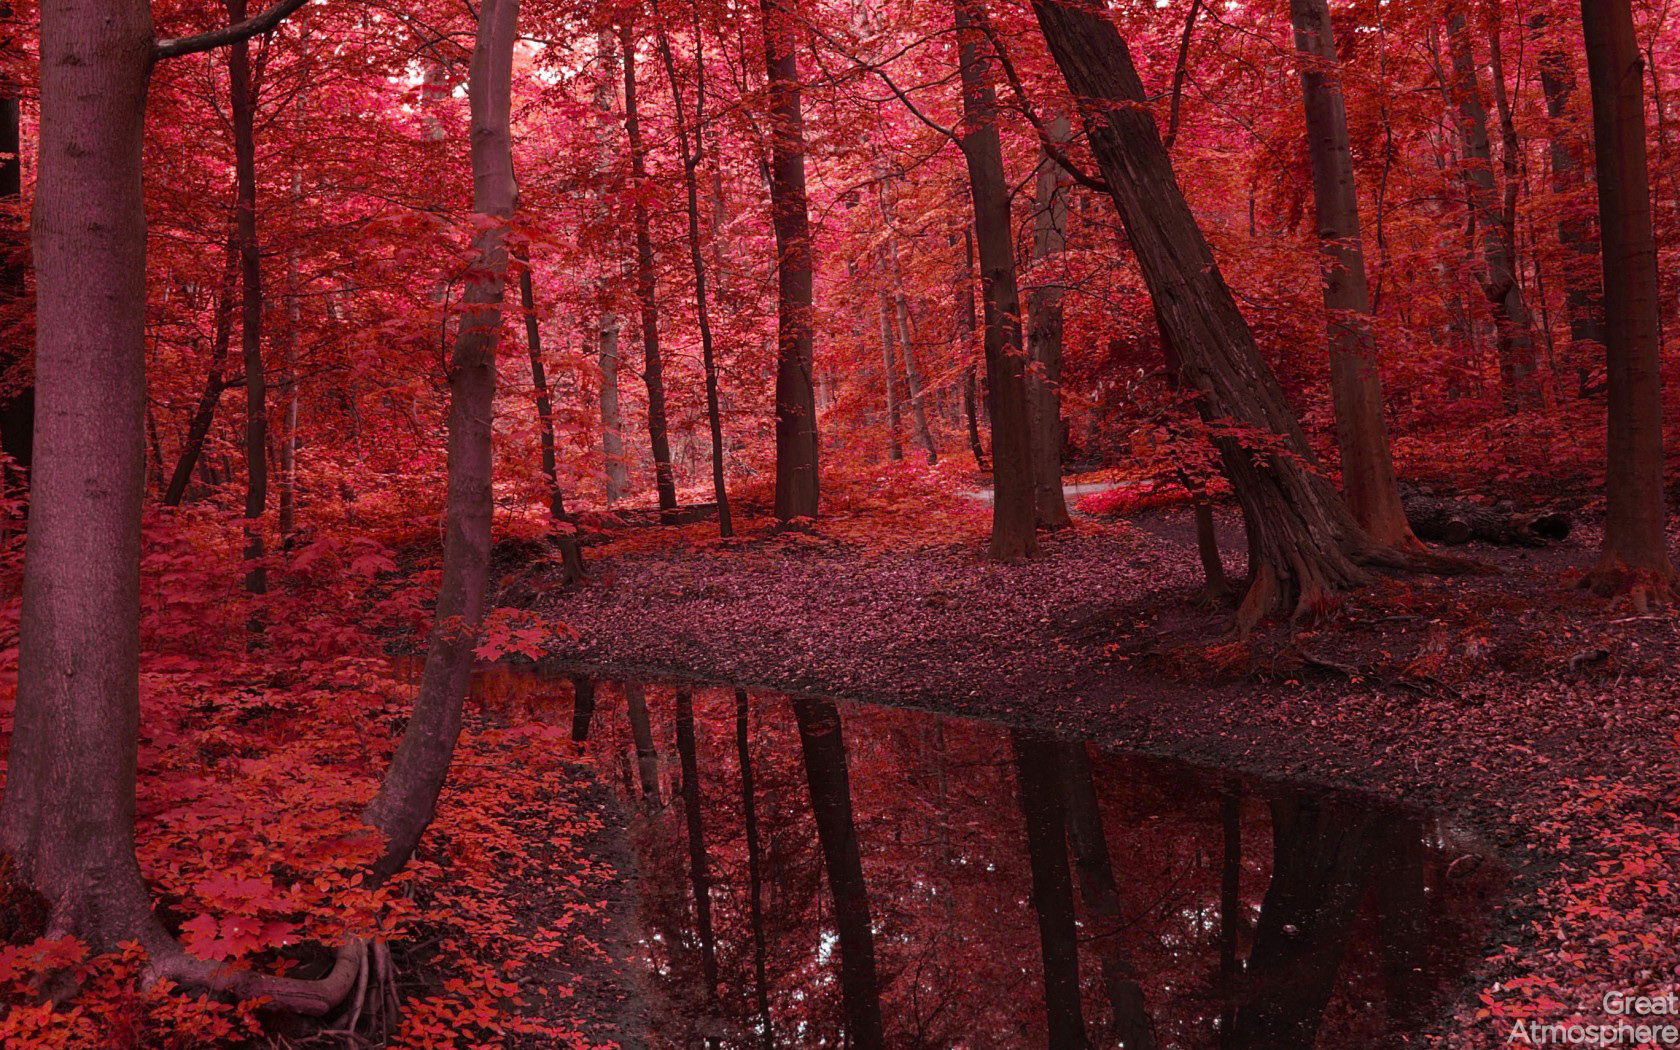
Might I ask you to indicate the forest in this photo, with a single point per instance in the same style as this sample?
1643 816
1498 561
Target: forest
839 523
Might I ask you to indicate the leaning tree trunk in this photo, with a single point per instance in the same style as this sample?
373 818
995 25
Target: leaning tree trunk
1368 481
566 538
198 428
407 797
1305 546
653 366
243 106
796 402
1013 505
1518 359
1635 552
1044 335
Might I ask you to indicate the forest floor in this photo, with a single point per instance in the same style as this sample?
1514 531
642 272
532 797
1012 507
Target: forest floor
1542 719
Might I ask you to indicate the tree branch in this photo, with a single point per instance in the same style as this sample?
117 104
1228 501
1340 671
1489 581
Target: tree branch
233 34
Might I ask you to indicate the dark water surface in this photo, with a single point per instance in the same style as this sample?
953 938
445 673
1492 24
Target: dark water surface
816 874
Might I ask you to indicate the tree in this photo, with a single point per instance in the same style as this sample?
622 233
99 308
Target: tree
1013 506
1304 546
1368 482
796 401
243 106
17 389
1044 335
1635 555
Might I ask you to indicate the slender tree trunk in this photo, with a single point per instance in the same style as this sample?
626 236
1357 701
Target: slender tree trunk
221 340
1230 905
1635 555
289 432
1305 545
831 802
1583 286
653 367
1097 887
1518 359
1044 335
912 375
243 106
1013 511
1052 887
17 384
583 707
1368 481
407 797
641 732
966 324
702 312
565 536
698 865
889 379
796 406
755 870
612 422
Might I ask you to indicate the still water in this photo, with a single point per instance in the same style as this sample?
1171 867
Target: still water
818 874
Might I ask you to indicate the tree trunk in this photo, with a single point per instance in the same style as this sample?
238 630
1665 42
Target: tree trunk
824 749
1518 359
612 423
796 405
966 323
583 707
17 384
698 875
1304 542
1052 887
702 313
243 106
1368 481
755 870
565 536
653 367
889 379
1013 513
205 414
1231 917
1044 334
1583 286
289 432
407 797
912 375
1634 557
641 733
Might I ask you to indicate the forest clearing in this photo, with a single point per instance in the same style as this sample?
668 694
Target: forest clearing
830 523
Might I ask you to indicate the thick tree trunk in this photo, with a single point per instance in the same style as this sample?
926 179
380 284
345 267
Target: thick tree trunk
653 366
566 537
17 384
1013 505
889 380
1518 359
796 404
243 106
199 427
1583 285
407 797
1038 769
641 734
1044 335
1635 555
698 874
1304 542
755 869
702 311
824 749
1368 481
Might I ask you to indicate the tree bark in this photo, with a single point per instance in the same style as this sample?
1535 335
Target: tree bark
653 366
1368 482
565 536
641 733
698 864
1038 770
407 797
583 707
205 414
889 379
243 106
912 375
1013 506
17 401
755 870
702 312
796 404
824 750
1634 557
612 422
1044 335
1304 543
1518 358
966 324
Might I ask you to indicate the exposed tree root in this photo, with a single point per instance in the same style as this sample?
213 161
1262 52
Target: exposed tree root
308 998
1644 586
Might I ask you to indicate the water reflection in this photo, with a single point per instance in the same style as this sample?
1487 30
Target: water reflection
813 874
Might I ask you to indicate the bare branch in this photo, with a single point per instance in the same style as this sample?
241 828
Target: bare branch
233 34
